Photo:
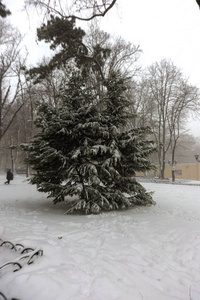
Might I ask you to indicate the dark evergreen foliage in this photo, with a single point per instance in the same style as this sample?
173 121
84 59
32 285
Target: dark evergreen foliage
66 38
80 151
4 12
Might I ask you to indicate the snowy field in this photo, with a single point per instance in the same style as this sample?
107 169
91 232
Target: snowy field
146 253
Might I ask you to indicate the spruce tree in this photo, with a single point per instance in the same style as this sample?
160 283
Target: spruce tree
82 150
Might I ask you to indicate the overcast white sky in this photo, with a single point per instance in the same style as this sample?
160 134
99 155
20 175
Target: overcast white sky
163 29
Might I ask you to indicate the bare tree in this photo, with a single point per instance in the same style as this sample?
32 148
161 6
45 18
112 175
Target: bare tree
188 99
11 65
48 89
11 78
97 56
142 107
115 54
172 97
110 54
84 10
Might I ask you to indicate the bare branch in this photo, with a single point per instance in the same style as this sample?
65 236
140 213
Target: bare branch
84 10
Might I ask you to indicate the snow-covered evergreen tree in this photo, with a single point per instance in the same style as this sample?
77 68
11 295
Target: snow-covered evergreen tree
82 151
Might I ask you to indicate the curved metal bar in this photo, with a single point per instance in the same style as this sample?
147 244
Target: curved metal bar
7 242
12 263
37 252
27 249
4 297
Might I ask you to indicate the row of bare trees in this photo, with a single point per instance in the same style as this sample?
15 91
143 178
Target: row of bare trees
163 100
161 97
11 82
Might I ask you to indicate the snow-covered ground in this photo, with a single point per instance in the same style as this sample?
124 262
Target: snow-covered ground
146 253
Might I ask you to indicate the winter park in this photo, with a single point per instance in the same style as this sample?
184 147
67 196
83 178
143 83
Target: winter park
99 150
142 253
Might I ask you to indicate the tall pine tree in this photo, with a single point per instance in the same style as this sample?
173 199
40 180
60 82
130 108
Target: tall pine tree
82 151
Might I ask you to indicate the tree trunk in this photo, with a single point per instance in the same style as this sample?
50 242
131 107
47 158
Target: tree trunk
173 161
162 173
173 173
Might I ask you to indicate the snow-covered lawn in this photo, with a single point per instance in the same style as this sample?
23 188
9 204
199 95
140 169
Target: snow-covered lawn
146 253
